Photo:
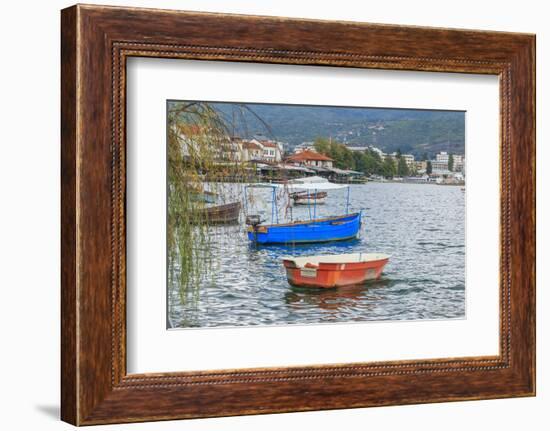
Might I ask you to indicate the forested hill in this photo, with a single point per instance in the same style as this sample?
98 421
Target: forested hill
412 131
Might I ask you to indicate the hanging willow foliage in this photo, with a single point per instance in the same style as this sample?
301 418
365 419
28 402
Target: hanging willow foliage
203 161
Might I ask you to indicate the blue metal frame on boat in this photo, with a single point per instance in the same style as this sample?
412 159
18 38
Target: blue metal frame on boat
335 228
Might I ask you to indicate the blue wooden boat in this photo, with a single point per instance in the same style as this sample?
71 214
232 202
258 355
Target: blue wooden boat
327 229
314 230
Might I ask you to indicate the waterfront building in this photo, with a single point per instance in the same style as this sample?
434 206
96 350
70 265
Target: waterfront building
252 151
310 158
421 165
442 157
409 158
261 150
458 163
272 152
458 160
223 148
440 166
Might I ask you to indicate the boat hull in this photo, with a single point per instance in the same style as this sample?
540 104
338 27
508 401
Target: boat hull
304 198
331 275
320 201
323 230
222 214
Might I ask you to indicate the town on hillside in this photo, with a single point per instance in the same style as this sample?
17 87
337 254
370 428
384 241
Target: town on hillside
340 163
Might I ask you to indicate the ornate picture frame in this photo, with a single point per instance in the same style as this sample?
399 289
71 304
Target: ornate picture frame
96 41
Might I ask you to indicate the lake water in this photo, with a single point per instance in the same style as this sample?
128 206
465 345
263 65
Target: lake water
421 226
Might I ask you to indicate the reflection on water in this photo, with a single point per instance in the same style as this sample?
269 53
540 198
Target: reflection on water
420 226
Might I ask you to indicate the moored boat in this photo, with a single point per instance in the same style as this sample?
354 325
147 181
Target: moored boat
222 214
337 228
306 198
315 229
337 270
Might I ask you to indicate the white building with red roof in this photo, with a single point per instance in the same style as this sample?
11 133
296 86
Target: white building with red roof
272 151
252 151
310 158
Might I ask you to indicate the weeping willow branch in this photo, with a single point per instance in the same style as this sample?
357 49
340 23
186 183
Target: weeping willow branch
202 155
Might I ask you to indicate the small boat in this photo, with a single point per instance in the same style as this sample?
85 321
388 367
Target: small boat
337 228
336 270
306 198
222 214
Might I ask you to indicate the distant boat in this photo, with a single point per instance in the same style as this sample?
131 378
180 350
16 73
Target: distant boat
337 228
222 214
306 198
336 270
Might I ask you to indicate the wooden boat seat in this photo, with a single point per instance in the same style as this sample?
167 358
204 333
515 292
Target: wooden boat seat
305 261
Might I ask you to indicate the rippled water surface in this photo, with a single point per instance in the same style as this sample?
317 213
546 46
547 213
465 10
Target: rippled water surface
420 226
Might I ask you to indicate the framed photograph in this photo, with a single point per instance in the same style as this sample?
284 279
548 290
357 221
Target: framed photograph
265 215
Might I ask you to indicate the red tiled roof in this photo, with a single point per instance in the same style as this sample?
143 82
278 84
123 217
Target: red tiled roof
308 155
251 146
269 144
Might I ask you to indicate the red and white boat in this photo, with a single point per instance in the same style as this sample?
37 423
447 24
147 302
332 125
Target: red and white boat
335 270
